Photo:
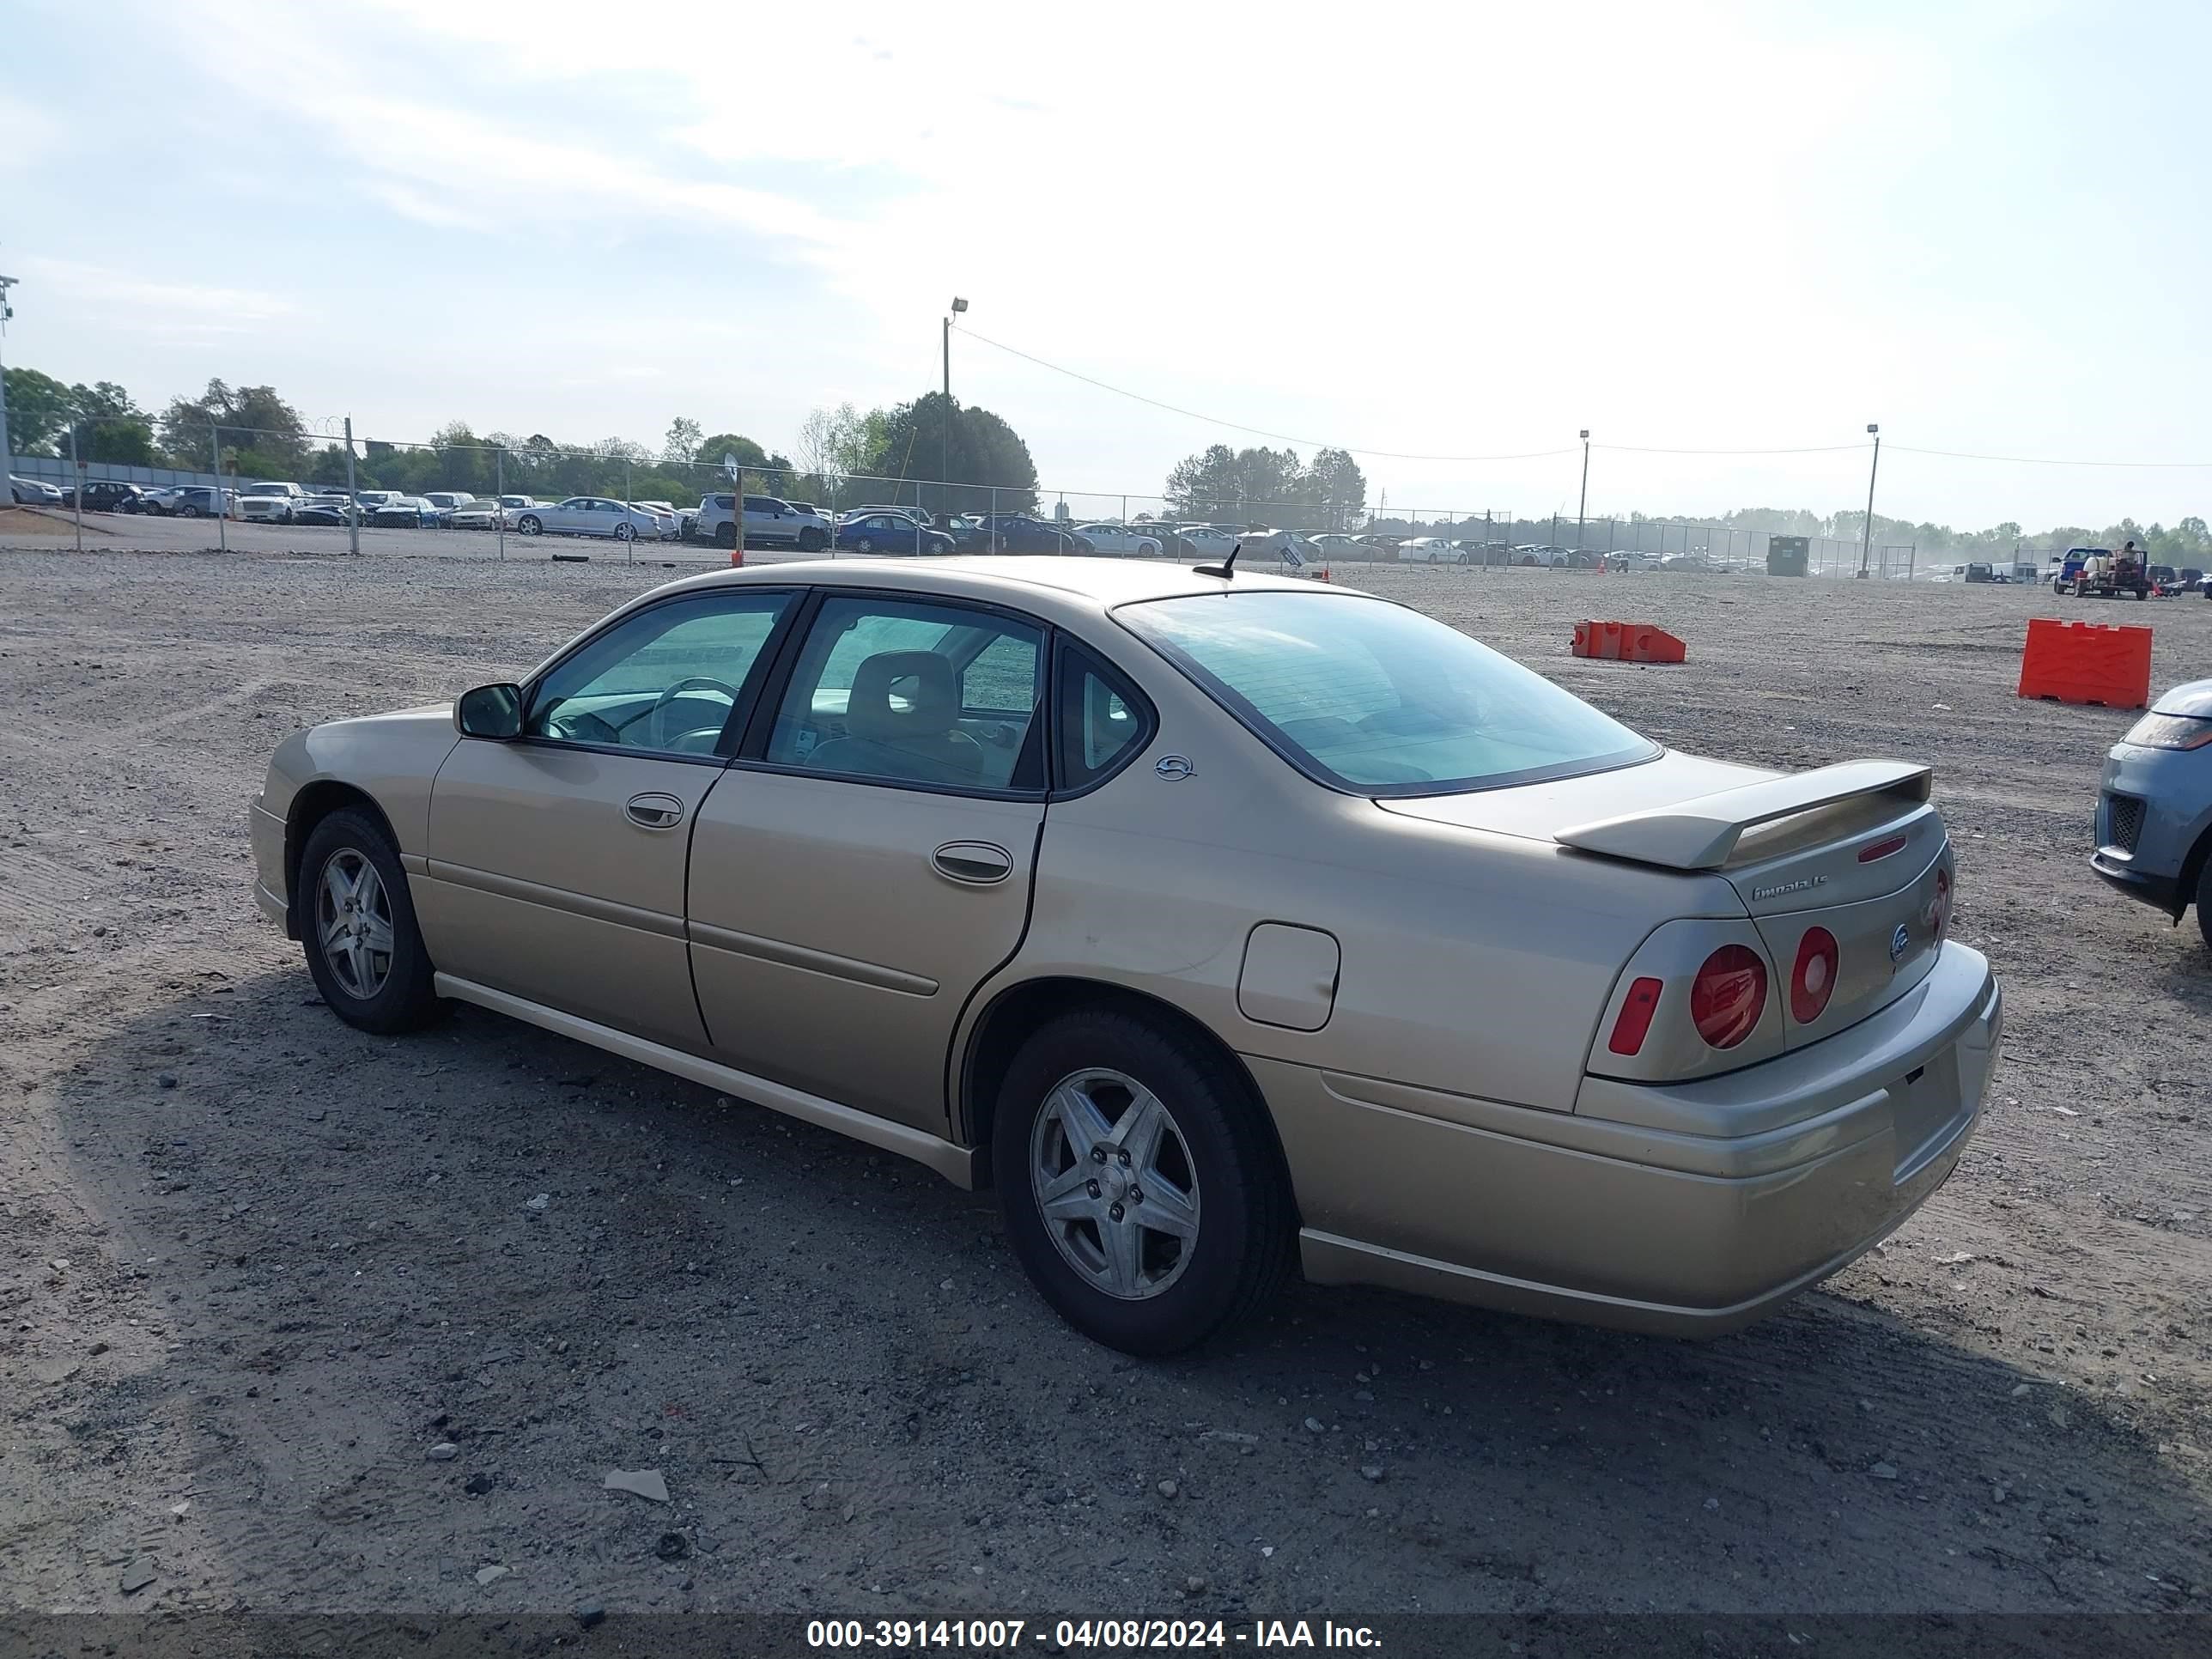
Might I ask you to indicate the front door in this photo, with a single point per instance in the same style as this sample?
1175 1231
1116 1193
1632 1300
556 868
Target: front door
852 884
557 861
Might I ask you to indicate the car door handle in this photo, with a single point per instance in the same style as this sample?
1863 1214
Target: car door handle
654 811
977 863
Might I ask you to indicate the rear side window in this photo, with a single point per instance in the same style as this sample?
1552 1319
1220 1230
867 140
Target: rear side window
1101 719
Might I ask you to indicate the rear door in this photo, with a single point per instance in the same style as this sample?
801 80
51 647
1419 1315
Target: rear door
867 861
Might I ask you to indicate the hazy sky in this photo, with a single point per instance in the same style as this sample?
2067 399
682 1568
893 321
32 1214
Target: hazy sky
1445 230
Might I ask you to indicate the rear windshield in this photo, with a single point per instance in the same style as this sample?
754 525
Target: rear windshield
1376 699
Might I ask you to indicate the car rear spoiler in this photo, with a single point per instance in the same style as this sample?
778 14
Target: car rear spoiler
1699 834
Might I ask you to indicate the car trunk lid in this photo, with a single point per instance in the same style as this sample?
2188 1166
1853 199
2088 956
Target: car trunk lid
1852 850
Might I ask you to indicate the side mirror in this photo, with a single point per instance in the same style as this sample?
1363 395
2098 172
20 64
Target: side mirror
489 711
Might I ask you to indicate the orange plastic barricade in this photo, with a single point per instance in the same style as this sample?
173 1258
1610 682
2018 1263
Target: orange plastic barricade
2086 662
738 556
1627 642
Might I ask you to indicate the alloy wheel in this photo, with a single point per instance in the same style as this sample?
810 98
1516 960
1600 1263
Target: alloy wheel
1113 1178
353 923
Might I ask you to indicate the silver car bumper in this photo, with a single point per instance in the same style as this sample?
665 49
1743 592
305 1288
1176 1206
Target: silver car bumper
266 832
2154 805
1686 1209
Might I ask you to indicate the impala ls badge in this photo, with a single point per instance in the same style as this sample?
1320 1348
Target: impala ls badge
1173 767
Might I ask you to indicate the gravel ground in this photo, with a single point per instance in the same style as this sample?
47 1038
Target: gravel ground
295 1318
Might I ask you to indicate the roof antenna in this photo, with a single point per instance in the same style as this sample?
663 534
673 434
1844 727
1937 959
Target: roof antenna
1226 567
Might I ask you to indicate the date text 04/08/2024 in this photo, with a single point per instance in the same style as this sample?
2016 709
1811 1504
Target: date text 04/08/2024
1111 1635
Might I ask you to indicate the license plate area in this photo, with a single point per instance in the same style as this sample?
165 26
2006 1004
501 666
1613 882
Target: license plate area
1926 1105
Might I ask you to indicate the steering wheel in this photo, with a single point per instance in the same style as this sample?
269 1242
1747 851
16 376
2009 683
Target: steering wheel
661 738
581 726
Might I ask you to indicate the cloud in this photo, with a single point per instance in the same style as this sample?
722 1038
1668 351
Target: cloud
125 301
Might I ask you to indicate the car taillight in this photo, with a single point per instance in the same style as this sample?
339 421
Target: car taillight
1635 1021
1813 978
1729 995
1939 908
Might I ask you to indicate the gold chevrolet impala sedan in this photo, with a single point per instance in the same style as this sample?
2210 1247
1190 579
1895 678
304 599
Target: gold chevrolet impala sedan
1205 916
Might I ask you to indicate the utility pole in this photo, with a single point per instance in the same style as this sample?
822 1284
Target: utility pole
214 496
7 457
1581 507
944 431
353 501
499 494
76 495
1866 534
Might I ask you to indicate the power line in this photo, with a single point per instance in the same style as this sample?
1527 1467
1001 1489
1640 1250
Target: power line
1257 432
1808 449
2040 460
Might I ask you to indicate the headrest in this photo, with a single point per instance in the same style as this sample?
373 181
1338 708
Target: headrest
923 681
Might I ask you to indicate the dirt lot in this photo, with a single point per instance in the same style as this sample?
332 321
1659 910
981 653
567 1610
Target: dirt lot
254 1266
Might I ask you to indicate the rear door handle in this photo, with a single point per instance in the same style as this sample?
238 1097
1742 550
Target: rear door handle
654 811
976 863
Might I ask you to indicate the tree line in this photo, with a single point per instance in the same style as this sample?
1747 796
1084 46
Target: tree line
845 457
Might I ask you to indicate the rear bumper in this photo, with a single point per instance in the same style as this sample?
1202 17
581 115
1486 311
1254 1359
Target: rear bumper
1683 1209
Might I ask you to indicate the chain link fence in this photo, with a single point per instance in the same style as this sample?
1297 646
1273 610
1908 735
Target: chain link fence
367 488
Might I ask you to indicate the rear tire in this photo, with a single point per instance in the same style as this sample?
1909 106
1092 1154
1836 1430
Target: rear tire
1187 1123
357 925
812 541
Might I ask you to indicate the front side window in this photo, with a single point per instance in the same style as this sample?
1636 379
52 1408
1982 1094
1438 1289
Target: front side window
1376 699
664 679
918 693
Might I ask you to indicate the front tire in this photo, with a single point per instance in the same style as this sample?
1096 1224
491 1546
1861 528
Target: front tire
725 535
2204 902
529 524
357 925
1142 1191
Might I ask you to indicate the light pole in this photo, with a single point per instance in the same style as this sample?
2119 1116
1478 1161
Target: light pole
7 458
1581 507
944 431
1866 532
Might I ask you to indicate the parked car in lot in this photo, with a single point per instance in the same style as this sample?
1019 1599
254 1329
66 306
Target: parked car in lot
1328 544
327 510
1212 541
1431 550
400 512
890 533
273 503
476 515
32 492
594 515
439 506
918 515
1119 542
769 522
105 495
204 501
1018 532
2154 807
981 862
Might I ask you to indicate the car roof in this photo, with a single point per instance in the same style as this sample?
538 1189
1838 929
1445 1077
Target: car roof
1040 581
